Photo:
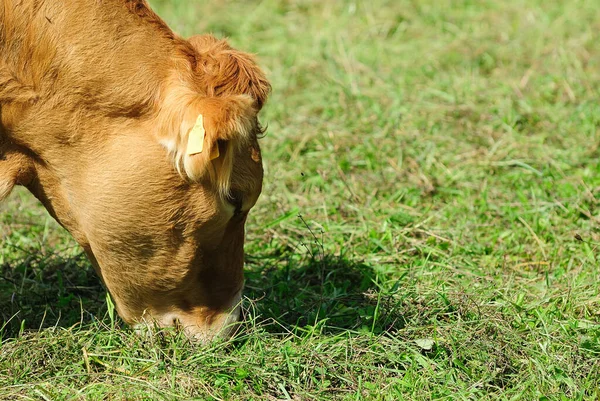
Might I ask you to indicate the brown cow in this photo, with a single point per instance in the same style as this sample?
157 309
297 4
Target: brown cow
98 101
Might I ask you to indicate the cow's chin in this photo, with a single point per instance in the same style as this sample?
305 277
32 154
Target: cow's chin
202 325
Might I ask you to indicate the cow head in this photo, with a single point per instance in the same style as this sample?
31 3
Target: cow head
158 200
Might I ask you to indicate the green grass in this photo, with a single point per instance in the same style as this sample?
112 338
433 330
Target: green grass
444 157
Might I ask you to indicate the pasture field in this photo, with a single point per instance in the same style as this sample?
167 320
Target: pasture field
429 226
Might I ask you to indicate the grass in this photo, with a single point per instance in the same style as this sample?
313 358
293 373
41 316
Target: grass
429 226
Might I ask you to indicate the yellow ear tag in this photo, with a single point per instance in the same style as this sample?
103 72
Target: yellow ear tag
214 152
196 137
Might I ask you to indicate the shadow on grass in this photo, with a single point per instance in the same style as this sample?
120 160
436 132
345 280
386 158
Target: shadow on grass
44 291
294 293
324 289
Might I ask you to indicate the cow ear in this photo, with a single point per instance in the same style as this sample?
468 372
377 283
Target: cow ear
222 70
210 131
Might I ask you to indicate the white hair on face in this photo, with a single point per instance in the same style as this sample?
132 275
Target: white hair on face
169 144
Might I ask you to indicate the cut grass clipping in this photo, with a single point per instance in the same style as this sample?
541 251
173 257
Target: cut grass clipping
428 229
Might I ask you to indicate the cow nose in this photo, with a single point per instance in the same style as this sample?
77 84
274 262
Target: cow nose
211 325
201 323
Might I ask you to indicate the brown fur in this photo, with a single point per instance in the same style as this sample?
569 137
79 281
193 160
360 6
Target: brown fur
96 102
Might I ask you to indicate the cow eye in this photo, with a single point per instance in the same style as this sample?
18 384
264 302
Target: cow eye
236 199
